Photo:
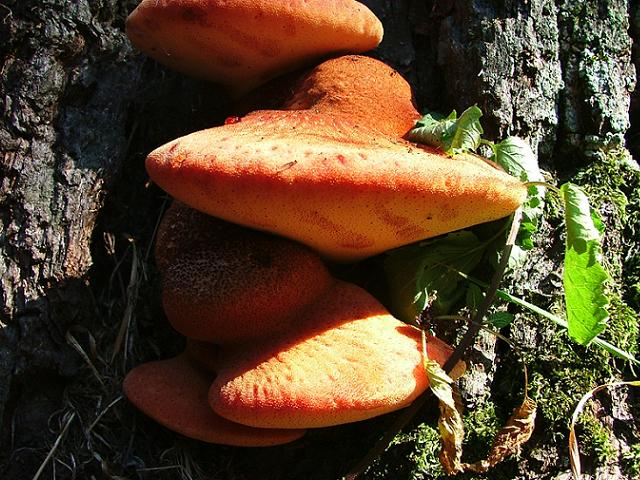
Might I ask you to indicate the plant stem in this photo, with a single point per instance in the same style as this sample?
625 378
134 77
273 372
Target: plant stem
609 347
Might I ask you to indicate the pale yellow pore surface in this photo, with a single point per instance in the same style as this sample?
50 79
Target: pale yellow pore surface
337 187
243 43
348 360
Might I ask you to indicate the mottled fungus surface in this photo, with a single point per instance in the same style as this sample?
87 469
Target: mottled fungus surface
329 183
347 360
227 284
365 90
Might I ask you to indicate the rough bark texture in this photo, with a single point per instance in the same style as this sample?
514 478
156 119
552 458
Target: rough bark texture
80 109
67 80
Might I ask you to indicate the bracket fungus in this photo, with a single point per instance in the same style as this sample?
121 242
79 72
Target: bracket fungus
345 191
213 270
174 393
334 355
367 91
275 344
330 169
347 360
243 43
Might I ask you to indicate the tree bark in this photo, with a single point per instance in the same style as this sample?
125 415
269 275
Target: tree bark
81 108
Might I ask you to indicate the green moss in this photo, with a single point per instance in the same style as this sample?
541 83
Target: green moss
594 440
622 329
424 457
631 461
481 426
412 456
561 372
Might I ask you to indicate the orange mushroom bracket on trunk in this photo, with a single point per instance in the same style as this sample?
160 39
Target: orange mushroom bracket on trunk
243 43
348 360
347 191
320 352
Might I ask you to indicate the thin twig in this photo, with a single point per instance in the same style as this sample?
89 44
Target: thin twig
71 340
132 297
490 295
95 422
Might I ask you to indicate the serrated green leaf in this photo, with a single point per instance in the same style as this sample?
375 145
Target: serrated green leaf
612 349
426 272
578 218
584 277
452 134
468 131
515 155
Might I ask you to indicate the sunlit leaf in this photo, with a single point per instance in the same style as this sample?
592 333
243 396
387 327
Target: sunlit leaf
516 156
584 276
451 134
468 131
435 130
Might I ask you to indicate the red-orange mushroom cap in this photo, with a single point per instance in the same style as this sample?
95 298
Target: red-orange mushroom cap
174 393
243 43
227 284
343 189
347 360
367 91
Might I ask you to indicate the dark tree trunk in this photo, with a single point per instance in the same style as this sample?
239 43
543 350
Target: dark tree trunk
81 109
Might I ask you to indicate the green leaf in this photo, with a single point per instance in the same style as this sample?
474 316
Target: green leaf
474 298
427 272
584 277
434 129
612 349
515 155
468 132
451 134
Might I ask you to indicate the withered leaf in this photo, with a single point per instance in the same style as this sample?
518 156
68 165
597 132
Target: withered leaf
451 429
509 440
450 421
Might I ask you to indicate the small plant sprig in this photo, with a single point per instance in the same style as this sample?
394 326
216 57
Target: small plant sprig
433 265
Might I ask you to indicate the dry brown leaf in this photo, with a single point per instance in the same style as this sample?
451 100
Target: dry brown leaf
451 429
450 421
509 440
